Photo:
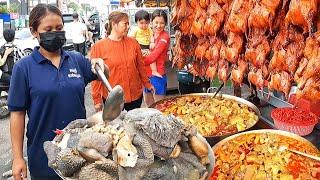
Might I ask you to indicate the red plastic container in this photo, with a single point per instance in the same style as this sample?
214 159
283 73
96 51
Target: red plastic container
295 120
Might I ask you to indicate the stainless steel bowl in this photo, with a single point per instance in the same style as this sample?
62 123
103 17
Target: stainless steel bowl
264 131
214 139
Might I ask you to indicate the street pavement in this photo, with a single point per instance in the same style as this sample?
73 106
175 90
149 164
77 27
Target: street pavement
5 142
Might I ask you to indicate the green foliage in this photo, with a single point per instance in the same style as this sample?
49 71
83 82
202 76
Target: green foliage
14 8
87 7
74 6
216 83
3 9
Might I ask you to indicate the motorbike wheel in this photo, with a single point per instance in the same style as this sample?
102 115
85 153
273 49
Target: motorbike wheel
4 111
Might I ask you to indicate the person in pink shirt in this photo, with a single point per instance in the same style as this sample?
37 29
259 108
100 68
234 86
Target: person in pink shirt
159 55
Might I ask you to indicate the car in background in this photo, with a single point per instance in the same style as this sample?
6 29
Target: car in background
25 40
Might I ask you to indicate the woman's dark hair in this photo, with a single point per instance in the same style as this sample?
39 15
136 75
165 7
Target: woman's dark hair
114 17
8 35
75 16
161 13
142 15
39 12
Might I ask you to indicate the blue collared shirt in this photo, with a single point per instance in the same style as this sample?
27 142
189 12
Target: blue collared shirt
52 97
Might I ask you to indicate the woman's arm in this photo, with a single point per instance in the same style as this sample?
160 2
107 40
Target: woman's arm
18 103
17 123
3 59
152 43
161 46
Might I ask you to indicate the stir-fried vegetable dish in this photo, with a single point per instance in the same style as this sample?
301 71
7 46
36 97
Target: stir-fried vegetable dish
264 156
211 116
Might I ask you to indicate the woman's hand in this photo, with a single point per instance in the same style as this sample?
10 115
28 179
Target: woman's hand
98 107
8 51
152 89
152 45
145 52
103 66
19 169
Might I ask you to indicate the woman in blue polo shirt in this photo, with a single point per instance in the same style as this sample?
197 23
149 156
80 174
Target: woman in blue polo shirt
49 86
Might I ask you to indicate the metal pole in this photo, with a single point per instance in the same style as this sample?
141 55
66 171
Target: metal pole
20 9
8 4
27 1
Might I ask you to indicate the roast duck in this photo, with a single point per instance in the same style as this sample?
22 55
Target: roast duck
268 43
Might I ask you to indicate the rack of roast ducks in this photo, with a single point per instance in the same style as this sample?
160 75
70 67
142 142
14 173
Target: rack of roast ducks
140 144
271 43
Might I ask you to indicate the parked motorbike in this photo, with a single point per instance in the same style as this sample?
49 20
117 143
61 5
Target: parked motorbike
7 67
187 83
4 111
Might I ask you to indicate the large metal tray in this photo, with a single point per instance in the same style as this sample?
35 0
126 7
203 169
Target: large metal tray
214 139
263 131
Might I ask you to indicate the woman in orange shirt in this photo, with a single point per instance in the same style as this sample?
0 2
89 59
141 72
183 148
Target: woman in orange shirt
123 56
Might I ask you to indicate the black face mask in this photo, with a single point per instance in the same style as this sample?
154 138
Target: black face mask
52 41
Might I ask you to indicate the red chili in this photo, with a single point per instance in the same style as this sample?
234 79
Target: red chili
214 175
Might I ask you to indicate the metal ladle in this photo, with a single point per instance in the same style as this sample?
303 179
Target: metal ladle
102 77
219 88
283 148
115 100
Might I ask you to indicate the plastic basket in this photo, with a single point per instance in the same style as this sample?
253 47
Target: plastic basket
295 121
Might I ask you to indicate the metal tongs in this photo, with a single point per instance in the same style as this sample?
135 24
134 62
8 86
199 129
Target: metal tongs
115 100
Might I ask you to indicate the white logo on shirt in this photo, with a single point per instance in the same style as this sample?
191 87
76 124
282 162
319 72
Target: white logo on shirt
74 70
74 73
